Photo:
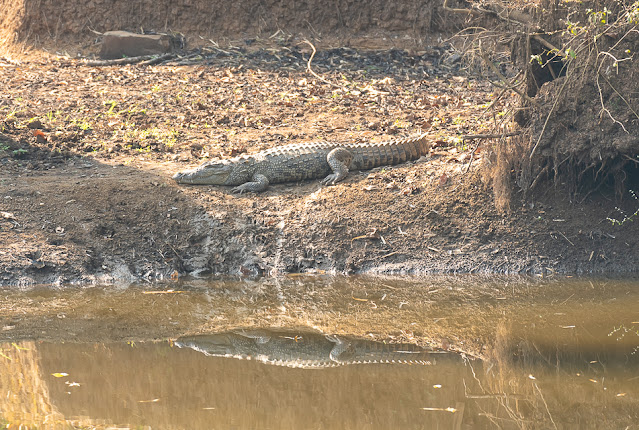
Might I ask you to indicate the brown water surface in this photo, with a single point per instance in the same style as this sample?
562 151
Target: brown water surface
517 353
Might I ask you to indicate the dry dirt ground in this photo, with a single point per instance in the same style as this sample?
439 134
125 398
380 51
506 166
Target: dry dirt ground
87 155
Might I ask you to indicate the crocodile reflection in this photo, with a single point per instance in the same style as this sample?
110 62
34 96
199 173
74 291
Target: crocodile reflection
307 350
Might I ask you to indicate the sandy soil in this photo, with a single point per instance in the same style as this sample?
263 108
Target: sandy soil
87 155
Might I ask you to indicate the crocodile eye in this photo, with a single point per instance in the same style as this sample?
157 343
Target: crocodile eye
212 166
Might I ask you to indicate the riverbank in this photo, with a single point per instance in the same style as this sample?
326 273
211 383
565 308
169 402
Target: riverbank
88 153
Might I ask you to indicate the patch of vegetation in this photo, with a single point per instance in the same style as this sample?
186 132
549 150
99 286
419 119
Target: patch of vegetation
82 124
625 217
146 140
132 111
111 104
53 116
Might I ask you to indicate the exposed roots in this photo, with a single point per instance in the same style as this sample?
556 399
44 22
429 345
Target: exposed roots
576 96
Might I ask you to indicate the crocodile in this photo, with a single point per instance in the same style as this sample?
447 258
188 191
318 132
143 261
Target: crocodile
306 350
300 161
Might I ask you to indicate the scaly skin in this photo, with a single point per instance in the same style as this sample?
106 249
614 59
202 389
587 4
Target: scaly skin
296 162
306 350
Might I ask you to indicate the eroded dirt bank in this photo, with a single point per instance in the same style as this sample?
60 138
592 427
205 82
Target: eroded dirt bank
87 155
58 25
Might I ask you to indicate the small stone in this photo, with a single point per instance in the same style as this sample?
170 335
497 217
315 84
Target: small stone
36 124
120 44
41 138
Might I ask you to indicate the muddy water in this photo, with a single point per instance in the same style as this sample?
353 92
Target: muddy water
490 353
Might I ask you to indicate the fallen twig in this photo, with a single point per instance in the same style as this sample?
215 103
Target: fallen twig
569 241
142 59
187 59
490 136
308 67
160 59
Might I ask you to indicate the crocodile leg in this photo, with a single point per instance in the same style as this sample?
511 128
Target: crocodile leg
342 351
340 160
258 184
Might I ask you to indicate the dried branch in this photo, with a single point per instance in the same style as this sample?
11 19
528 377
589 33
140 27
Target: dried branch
490 136
506 84
456 10
310 70
149 59
600 74
544 42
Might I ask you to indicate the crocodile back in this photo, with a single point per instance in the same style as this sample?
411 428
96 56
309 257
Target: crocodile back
370 155
301 161
295 162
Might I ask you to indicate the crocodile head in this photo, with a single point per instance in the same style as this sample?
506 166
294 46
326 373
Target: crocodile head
218 344
214 172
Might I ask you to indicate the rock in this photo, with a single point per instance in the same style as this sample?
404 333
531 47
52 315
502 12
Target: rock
119 44
454 58
35 124
40 137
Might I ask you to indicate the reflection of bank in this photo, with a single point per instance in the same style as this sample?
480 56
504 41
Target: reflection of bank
580 375
164 387
24 395
533 379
